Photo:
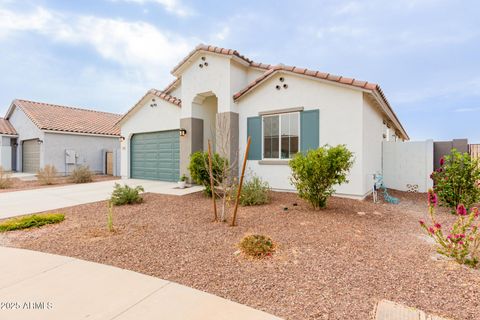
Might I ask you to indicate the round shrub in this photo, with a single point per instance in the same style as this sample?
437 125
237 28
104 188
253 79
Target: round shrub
456 181
122 195
199 169
314 174
81 174
257 246
255 192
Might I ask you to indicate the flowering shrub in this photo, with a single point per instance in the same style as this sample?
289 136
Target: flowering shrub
462 241
457 180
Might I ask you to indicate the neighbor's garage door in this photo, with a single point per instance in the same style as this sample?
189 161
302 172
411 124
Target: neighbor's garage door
30 155
155 156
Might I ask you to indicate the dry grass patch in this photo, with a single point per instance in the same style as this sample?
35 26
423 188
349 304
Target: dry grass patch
257 246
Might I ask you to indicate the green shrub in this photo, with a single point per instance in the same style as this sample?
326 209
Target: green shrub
199 169
257 246
315 173
34 220
126 195
456 181
81 174
47 175
255 192
5 180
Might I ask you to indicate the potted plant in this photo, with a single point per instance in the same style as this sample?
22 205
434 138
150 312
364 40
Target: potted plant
183 182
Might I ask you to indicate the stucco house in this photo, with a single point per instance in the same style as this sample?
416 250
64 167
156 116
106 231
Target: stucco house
42 133
8 139
223 96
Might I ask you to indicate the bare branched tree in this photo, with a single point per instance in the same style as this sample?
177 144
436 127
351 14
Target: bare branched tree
225 178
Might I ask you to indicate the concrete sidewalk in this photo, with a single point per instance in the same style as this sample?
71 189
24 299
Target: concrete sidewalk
389 310
36 285
37 200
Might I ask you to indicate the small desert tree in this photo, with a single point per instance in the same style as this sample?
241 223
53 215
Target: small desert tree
457 180
315 173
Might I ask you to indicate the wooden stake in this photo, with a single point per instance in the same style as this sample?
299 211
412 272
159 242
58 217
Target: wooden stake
241 183
212 184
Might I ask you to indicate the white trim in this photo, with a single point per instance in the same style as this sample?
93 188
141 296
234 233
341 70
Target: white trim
83 134
279 115
9 135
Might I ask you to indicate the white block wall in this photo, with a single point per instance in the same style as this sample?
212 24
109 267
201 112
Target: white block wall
408 163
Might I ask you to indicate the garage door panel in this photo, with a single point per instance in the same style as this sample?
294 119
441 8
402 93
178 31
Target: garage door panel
156 156
30 156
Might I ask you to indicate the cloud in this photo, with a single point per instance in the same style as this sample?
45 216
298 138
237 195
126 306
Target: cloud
137 45
467 109
222 34
172 6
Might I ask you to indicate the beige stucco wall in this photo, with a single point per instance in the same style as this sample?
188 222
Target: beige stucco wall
346 117
213 79
341 111
373 131
165 116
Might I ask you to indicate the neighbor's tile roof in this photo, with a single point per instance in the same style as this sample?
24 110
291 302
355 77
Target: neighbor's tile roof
6 127
219 50
69 119
158 93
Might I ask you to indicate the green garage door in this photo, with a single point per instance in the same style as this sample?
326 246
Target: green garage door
156 156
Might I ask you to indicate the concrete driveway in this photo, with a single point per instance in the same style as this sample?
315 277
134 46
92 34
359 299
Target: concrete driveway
35 285
46 199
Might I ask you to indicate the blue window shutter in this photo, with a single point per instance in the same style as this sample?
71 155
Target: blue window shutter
309 130
254 130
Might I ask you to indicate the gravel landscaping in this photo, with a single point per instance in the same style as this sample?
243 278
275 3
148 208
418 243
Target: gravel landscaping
18 184
331 264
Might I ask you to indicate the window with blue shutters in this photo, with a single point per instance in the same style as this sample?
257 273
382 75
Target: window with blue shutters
280 136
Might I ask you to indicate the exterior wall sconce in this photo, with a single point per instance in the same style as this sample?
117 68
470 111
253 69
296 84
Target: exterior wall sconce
40 141
183 132
122 138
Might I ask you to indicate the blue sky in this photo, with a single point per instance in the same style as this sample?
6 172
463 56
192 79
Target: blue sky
104 54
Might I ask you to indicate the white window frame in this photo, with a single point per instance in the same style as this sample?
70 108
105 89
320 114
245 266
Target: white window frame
280 135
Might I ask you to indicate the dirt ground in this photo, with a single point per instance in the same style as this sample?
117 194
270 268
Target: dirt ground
335 263
18 184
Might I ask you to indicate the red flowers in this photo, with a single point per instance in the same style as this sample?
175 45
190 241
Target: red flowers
422 223
442 161
432 198
461 210
438 226
431 230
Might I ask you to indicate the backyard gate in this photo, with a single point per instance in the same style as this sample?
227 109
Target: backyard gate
474 151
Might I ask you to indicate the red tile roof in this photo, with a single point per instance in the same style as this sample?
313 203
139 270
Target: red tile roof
158 93
373 87
69 119
270 69
170 86
306 72
219 50
6 127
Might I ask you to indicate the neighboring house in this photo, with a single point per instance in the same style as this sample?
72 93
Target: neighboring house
8 144
222 96
65 137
